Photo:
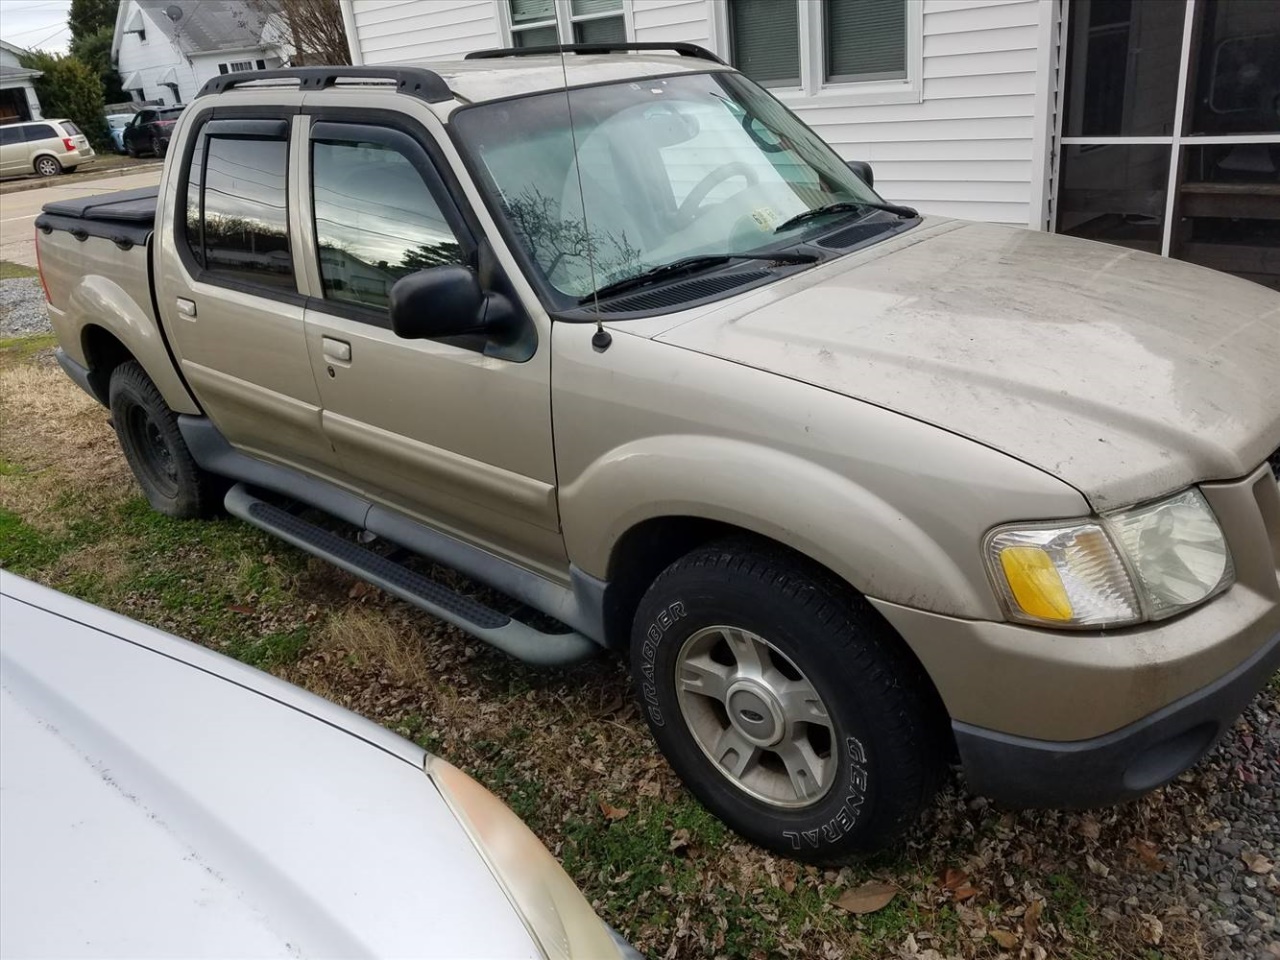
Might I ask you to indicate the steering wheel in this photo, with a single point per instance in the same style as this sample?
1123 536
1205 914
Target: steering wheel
688 208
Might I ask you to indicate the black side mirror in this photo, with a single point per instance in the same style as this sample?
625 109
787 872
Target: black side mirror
863 170
443 301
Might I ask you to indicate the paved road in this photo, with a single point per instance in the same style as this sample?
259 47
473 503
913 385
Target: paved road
19 210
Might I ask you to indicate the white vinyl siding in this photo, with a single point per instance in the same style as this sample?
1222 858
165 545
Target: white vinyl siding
395 31
667 21
960 143
964 150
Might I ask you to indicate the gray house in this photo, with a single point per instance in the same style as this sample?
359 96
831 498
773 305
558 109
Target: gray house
18 99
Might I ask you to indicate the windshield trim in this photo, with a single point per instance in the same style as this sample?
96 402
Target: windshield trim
566 308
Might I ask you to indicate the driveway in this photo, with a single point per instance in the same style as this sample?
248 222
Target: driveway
18 211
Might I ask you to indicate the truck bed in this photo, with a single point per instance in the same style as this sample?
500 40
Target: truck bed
126 216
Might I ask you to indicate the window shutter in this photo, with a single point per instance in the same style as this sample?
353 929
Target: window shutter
582 8
531 11
765 38
866 39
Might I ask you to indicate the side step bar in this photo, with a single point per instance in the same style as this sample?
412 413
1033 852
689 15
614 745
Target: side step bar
497 629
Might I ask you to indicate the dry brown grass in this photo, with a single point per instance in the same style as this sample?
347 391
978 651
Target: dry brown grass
372 638
60 442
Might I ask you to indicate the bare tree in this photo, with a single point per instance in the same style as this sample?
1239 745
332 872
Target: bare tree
312 27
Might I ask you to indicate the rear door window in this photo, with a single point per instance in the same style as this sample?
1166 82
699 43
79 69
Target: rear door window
237 211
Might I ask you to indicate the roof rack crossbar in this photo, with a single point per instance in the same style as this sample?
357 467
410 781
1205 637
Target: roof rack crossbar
684 49
414 81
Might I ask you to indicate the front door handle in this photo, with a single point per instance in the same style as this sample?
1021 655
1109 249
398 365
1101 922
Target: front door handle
338 351
186 308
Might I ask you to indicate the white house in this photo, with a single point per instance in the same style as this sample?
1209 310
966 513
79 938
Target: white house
1152 124
165 51
18 99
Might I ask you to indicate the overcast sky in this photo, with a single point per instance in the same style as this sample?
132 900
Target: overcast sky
39 24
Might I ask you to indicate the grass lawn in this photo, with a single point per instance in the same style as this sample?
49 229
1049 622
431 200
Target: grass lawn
566 748
13 271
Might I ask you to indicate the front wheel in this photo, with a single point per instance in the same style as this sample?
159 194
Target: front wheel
785 703
174 483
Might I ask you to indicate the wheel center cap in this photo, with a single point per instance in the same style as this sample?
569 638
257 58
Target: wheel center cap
755 713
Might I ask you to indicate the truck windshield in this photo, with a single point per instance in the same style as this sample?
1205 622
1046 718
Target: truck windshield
652 172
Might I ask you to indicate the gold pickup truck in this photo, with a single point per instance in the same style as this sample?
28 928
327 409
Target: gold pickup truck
860 492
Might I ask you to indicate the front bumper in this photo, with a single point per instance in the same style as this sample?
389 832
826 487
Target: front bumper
1117 766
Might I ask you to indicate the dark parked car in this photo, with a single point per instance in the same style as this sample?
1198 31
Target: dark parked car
150 129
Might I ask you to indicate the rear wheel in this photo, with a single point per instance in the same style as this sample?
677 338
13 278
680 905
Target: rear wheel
158 146
173 482
785 703
48 166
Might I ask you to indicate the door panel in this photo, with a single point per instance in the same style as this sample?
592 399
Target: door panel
236 318
459 439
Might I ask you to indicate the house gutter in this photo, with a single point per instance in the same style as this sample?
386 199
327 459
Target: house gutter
349 26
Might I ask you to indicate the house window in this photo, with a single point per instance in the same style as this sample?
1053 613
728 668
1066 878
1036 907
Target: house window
764 36
809 44
537 23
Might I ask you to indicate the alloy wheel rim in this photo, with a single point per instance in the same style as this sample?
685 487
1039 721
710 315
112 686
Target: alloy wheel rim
756 716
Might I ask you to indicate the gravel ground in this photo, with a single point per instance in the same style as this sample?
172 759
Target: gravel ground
22 311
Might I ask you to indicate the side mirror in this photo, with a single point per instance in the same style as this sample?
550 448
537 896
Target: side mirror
863 170
443 301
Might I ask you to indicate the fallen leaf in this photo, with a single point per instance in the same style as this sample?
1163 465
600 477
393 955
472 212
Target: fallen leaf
611 812
1256 862
868 898
1031 919
966 892
1006 938
1090 828
1148 854
679 841
1151 928
241 608
1096 866
953 878
360 589
789 885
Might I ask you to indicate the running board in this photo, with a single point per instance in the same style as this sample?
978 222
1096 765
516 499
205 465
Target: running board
493 627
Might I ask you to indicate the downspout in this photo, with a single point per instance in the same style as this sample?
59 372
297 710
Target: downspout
348 8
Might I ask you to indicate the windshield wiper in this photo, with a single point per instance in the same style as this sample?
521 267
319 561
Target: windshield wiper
846 206
705 261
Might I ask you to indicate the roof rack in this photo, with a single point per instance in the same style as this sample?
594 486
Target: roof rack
684 49
415 81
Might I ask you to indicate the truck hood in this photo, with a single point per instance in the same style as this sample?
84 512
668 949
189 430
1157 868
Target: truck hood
1125 374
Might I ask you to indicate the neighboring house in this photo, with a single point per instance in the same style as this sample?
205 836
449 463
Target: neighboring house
1153 124
165 51
18 99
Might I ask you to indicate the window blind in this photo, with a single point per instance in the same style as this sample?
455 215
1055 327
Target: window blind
866 39
765 38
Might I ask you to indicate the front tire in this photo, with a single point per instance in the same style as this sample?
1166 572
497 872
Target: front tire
173 482
785 703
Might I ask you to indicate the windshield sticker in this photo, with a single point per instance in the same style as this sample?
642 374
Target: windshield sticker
766 217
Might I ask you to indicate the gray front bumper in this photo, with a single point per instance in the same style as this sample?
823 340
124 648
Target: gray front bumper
1117 766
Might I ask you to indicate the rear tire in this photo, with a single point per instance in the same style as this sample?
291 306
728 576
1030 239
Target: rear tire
48 166
158 146
173 482
785 702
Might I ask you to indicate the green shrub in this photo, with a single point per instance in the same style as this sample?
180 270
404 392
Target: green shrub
70 88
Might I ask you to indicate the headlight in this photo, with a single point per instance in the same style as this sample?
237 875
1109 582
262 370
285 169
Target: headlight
553 909
1076 575
1177 551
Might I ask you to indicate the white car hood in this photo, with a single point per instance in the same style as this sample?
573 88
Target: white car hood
1124 374
152 807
